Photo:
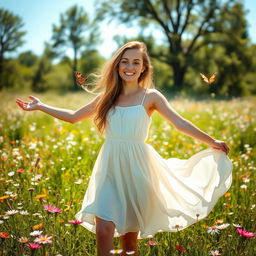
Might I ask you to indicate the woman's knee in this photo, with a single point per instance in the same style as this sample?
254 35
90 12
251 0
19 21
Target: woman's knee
104 228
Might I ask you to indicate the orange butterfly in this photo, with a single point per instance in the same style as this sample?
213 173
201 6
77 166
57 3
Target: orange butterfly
80 78
209 80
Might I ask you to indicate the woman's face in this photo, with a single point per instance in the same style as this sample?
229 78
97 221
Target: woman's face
131 65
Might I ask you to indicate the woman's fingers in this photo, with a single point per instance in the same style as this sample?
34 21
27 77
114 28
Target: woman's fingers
24 105
33 98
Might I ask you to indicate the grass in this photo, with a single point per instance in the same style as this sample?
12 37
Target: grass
67 154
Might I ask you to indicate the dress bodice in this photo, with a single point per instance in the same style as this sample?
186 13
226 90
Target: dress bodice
128 123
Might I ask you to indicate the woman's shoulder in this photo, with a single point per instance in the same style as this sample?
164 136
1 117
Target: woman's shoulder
154 93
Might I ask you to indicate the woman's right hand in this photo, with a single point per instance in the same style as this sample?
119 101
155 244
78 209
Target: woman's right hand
29 106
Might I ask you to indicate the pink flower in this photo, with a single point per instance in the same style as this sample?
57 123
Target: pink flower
43 239
20 170
33 246
75 222
245 233
152 243
52 209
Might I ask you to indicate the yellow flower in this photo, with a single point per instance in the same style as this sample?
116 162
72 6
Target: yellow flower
40 196
227 194
4 197
36 227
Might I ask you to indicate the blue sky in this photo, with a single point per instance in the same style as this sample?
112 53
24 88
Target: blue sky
39 16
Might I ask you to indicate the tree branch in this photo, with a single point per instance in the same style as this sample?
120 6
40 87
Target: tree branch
199 31
189 8
162 24
168 13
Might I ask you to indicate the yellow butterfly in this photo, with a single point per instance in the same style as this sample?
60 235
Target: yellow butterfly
80 78
209 80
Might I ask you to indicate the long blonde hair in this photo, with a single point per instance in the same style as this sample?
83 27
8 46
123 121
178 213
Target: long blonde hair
110 83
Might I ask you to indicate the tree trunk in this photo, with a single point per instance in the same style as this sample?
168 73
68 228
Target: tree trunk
178 75
75 69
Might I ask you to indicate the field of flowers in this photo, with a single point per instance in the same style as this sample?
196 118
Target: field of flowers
45 166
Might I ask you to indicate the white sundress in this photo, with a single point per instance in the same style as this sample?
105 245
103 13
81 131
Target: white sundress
138 190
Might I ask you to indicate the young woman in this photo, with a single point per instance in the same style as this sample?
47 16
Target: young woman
133 192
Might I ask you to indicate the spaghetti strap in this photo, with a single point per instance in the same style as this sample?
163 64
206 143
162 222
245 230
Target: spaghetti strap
143 97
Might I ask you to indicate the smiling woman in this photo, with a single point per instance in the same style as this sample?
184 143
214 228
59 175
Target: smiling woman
133 192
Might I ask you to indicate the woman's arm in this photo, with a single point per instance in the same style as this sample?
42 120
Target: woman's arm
60 113
161 104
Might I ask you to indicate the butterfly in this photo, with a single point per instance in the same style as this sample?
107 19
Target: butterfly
209 80
80 78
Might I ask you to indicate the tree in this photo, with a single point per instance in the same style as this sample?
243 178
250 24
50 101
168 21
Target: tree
10 37
76 32
187 25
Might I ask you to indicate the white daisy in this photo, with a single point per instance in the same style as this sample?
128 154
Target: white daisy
11 212
213 230
214 253
36 233
223 226
237 225
24 213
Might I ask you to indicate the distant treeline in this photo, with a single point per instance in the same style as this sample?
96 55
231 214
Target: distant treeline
197 37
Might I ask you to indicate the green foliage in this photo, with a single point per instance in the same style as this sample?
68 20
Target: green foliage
75 32
193 31
10 39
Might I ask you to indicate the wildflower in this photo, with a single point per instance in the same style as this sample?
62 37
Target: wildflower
227 194
245 233
223 226
213 230
219 221
11 173
177 227
37 177
43 239
75 222
215 253
52 209
243 186
4 235
11 212
130 252
116 251
180 248
36 227
33 246
3 197
23 239
20 170
24 213
152 243
36 233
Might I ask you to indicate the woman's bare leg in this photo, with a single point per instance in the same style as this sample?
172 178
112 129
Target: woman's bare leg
129 243
104 236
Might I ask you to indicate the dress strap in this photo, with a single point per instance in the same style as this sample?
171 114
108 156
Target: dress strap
144 97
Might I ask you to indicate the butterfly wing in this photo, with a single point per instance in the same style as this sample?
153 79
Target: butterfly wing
205 79
80 78
212 78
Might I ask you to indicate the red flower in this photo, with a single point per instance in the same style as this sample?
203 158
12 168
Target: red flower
4 235
75 222
33 246
20 170
245 233
180 248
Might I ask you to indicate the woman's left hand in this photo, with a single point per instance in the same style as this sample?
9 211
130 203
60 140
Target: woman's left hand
221 145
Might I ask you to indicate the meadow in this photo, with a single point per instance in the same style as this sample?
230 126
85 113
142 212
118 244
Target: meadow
45 167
